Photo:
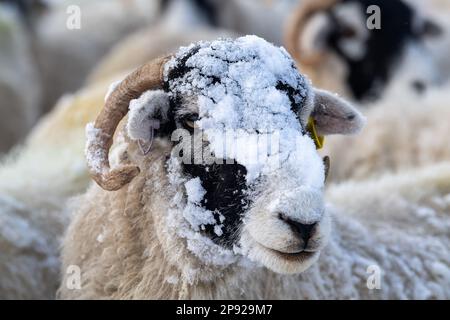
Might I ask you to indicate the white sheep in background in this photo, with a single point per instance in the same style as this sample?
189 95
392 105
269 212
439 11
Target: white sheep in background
160 226
262 18
35 182
401 132
438 46
333 45
67 54
17 101
53 163
38 47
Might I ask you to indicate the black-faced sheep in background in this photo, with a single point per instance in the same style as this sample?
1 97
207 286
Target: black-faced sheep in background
333 45
338 44
162 228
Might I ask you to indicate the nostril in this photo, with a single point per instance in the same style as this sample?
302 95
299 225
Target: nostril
305 231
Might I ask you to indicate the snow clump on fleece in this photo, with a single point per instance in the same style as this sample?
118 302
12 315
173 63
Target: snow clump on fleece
94 161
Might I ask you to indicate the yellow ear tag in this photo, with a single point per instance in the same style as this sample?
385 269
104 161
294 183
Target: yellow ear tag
311 128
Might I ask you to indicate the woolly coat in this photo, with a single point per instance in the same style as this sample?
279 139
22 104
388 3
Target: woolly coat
122 244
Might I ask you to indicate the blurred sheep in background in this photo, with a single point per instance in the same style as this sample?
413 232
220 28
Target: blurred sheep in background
332 42
397 73
67 55
264 18
20 85
42 58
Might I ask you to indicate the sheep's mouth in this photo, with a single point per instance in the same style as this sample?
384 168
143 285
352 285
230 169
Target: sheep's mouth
296 256
284 262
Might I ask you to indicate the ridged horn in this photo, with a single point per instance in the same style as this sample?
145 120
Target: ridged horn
100 137
296 26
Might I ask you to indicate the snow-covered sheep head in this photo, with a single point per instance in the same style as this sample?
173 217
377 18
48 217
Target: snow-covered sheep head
369 40
252 184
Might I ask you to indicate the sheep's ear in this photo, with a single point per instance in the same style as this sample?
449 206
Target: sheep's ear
146 115
333 115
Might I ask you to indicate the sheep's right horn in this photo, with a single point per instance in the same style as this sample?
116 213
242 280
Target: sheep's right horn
100 136
296 26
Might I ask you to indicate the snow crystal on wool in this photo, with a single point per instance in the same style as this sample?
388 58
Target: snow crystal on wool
94 160
218 230
111 88
197 216
100 238
140 122
172 279
194 190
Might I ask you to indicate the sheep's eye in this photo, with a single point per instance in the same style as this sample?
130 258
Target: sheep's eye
326 163
189 121
348 32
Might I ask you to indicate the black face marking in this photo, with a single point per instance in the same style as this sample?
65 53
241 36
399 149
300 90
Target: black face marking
225 185
292 94
295 97
180 69
368 75
167 125
226 195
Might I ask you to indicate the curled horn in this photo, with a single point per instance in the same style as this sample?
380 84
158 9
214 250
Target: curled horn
147 77
295 28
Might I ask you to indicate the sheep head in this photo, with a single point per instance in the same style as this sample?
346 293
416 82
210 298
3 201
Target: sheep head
214 103
336 33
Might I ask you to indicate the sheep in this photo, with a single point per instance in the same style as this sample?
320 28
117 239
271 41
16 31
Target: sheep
17 104
261 18
37 45
440 12
385 144
66 53
28 238
332 37
43 194
166 220
35 182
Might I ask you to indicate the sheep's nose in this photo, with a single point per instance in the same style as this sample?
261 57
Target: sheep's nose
305 231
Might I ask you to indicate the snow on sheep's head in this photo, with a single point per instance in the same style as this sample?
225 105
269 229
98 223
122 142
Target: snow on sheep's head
248 176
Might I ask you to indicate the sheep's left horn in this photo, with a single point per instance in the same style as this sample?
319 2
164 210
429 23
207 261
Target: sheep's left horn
296 25
100 134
